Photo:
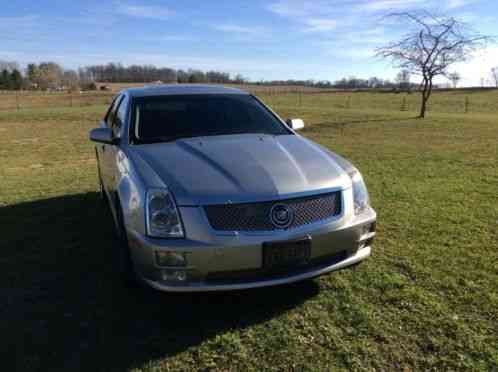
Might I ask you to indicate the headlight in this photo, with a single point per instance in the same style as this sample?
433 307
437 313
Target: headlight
360 192
162 217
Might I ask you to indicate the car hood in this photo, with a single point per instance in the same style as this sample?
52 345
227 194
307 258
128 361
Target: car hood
242 168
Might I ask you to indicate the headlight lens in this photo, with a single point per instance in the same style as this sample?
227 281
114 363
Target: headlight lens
162 217
360 192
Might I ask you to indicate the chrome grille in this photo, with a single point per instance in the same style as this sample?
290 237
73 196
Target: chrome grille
256 216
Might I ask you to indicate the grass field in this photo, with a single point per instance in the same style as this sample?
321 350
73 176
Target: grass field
455 101
426 300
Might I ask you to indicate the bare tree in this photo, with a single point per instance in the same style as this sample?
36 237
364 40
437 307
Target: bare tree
455 79
239 79
70 80
494 75
434 45
403 79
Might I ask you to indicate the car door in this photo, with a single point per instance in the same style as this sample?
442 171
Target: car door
104 150
117 122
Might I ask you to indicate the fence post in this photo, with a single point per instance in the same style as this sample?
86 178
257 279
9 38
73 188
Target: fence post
348 102
18 105
467 104
403 104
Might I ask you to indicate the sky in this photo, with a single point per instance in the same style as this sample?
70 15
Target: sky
262 40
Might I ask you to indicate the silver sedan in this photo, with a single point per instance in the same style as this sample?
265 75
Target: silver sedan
210 190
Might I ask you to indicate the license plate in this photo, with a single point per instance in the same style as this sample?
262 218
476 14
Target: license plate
288 253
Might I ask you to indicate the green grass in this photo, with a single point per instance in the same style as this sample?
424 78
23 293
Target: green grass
441 102
426 299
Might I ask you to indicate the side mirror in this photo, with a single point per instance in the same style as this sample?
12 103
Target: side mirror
295 124
103 135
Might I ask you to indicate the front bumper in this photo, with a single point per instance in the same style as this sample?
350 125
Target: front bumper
233 261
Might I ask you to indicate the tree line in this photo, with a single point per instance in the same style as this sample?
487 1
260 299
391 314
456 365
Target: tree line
11 80
117 73
52 76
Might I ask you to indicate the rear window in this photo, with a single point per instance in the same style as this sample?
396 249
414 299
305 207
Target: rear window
167 118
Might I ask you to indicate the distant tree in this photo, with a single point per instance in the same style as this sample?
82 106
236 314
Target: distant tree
85 76
33 74
182 76
403 79
45 75
9 66
70 80
494 75
431 48
196 76
374 82
454 78
239 79
4 79
217 77
16 80
168 75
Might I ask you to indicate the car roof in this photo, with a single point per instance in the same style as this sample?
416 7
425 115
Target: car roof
181 89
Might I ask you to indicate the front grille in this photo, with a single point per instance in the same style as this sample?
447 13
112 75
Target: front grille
256 216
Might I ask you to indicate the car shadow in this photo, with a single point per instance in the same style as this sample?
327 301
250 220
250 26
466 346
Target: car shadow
64 308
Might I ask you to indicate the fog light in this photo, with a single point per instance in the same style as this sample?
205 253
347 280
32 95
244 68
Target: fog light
174 275
171 259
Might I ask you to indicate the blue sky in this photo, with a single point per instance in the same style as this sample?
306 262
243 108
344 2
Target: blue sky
273 39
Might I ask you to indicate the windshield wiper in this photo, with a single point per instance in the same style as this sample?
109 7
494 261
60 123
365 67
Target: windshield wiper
212 134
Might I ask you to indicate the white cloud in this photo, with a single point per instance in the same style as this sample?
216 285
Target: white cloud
238 29
386 5
479 67
451 4
320 25
383 5
145 11
314 15
373 36
346 50
296 8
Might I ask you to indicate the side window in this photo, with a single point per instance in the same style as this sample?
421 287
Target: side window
108 112
109 118
120 116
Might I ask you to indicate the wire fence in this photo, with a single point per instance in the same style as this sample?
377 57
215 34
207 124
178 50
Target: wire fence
28 100
287 97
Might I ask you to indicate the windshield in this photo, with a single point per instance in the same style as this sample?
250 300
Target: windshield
167 118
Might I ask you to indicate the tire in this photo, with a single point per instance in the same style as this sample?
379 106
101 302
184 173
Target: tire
123 256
